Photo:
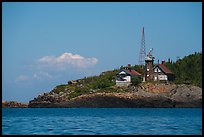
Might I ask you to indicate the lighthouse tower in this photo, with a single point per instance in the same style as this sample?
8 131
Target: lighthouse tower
149 59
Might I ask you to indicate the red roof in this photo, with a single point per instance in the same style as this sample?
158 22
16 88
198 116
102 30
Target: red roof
165 69
149 54
133 72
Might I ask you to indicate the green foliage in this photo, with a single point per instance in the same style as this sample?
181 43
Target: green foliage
101 83
188 70
78 91
104 81
139 68
136 80
59 88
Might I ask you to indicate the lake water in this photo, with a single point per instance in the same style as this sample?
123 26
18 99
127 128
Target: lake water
105 121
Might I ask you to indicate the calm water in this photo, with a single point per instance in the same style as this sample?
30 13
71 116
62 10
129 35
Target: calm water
124 121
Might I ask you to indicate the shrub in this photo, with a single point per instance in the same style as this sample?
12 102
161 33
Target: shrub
136 80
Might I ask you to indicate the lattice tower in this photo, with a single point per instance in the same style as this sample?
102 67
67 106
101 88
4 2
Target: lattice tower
142 53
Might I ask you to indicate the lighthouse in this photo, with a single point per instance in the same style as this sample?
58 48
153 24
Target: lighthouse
149 60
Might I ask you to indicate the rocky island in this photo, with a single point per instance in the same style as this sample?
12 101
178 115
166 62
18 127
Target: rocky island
104 91
144 96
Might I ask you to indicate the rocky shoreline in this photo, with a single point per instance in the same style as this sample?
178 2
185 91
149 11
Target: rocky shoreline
148 96
13 104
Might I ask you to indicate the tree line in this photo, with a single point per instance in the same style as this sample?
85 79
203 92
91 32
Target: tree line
187 70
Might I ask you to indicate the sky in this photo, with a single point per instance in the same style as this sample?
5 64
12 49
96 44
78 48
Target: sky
48 44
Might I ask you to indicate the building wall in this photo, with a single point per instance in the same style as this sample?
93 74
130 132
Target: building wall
159 75
126 79
126 82
162 77
149 74
121 83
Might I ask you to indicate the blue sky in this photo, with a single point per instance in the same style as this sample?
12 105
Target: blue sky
47 44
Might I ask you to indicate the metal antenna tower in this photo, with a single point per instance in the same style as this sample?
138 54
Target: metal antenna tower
142 49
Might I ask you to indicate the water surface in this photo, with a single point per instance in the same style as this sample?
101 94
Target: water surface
105 121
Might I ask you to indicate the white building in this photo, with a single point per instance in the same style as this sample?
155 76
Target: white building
162 73
124 77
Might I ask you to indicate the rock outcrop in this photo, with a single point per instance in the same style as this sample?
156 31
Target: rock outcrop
148 96
13 104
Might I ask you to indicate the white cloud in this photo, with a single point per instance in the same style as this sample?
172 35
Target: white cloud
67 60
22 78
42 75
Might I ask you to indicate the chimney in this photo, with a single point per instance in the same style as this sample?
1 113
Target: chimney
163 62
129 67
